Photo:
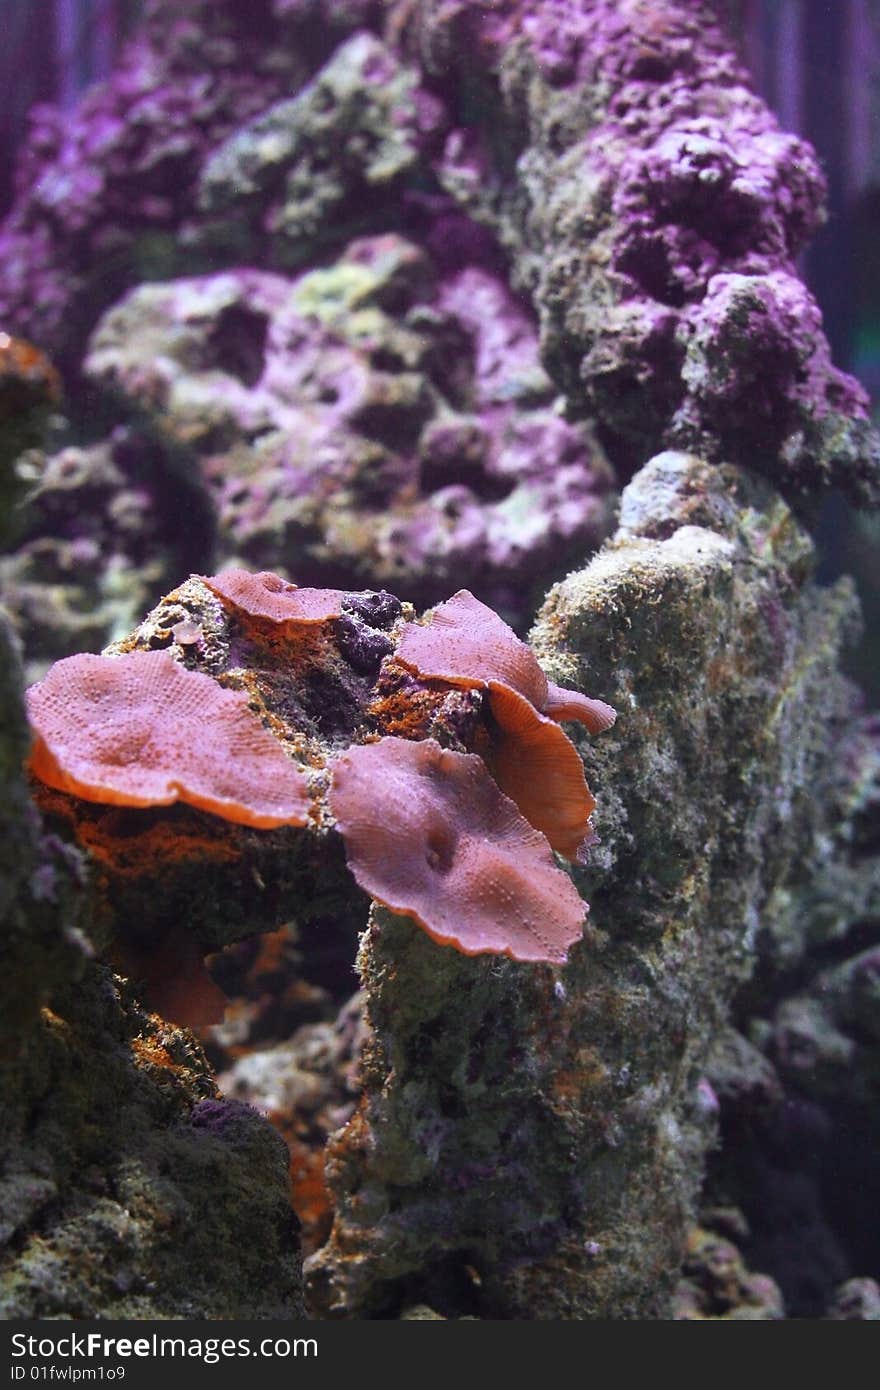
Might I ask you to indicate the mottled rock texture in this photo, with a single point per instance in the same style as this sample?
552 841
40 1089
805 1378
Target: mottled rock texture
717 1285
528 1143
798 1117
653 210
100 530
368 422
798 1092
607 162
29 389
543 1128
323 161
101 196
567 1179
41 942
128 1187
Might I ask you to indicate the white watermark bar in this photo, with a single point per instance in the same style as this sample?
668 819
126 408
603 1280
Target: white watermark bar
133 1353
288 1354
31 1347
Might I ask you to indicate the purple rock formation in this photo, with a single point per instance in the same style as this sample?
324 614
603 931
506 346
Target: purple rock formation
366 422
651 206
101 195
654 212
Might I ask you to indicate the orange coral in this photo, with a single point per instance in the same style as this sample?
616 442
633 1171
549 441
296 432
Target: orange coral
540 769
22 364
466 643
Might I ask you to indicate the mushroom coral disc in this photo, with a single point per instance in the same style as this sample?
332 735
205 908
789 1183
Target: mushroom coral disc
466 643
141 730
539 768
267 595
429 835
533 761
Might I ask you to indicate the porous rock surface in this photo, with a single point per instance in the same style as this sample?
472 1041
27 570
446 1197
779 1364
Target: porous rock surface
653 210
532 1140
102 195
370 420
544 1129
606 162
99 530
567 1180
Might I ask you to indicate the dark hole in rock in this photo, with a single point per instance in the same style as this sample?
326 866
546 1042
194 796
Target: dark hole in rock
647 262
437 473
238 343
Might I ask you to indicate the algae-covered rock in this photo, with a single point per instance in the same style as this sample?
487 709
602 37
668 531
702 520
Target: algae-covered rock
128 1187
373 421
101 532
29 389
717 1285
654 211
311 168
567 1180
40 937
541 1127
385 285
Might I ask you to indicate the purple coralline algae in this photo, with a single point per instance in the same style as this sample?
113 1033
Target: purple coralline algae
654 211
365 420
101 196
651 207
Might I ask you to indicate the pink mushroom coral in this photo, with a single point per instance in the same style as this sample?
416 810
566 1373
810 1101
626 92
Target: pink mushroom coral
540 769
534 762
267 595
467 643
429 835
141 730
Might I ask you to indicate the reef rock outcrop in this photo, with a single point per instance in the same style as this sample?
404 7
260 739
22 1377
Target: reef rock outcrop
566 1181
534 1133
129 1187
377 296
370 420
